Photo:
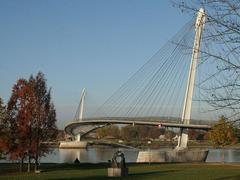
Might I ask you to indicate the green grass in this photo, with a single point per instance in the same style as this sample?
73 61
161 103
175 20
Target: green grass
136 171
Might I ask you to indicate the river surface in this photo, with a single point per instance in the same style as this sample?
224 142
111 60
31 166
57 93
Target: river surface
103 154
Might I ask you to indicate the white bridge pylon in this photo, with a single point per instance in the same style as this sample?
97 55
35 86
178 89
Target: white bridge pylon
186 114
81 108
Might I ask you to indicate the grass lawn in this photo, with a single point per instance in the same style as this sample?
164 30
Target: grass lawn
136 171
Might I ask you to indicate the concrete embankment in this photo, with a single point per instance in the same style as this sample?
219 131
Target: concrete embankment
194 155
73 144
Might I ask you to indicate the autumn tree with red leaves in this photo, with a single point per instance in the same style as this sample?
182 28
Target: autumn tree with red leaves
45 117
2 111
20 118
31 120
3 130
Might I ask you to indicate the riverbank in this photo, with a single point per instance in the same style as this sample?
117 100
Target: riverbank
136 171
139 144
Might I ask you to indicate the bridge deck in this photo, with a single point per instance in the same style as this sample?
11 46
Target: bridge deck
73 128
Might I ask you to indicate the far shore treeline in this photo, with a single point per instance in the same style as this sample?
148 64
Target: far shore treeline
28 119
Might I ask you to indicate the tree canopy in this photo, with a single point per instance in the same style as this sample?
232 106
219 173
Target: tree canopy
2 111
3 132
222 133
31 119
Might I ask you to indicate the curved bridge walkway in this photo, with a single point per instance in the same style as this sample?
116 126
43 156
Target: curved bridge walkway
88 125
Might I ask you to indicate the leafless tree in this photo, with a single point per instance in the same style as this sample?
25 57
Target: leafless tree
221 49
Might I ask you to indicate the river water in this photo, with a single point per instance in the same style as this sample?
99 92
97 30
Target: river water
103 154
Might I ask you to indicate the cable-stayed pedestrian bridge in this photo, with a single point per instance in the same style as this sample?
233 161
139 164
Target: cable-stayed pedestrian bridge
178 81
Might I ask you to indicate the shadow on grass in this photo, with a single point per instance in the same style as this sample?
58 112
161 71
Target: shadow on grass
151 173
88 178
229 177
54 167
48 167
130 176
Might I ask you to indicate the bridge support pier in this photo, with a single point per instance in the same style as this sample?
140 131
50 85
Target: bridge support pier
182 139
78 137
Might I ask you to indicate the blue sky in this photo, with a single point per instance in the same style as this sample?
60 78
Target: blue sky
96 44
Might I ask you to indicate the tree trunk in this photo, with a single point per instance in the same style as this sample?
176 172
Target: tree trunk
36 163
21 165
223 158
29 164
37 150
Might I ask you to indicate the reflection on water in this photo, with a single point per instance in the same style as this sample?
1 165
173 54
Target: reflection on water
103 154
91 155
230 155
